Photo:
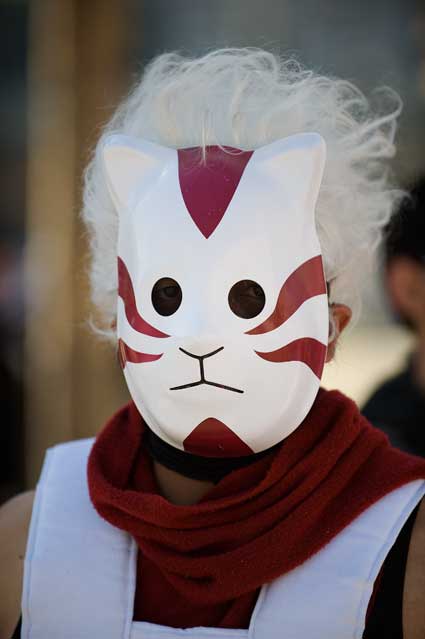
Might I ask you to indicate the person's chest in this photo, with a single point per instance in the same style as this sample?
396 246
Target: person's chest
81 569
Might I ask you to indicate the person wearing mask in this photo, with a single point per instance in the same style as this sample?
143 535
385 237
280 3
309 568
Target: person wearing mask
232 203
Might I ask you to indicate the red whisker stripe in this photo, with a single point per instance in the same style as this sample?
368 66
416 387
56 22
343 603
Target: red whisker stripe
126 292
127 354
307 350
305 282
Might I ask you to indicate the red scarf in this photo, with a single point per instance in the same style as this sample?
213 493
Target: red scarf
258 522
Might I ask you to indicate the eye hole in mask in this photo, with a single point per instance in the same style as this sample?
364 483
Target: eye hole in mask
246 299
166 296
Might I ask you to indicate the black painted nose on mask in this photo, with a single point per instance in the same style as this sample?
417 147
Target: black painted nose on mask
202 380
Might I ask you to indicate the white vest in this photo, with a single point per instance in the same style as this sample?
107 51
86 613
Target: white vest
80 572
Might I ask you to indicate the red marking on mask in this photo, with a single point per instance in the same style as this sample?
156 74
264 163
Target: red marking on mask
212 438
208 186
307 350
305 282
126 292
127 354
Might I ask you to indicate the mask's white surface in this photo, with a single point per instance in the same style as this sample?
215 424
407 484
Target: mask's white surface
266 234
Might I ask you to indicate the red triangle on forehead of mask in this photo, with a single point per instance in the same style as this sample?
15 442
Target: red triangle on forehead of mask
208 185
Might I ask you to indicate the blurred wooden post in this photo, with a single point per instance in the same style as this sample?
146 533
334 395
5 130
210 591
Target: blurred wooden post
50 229
103 63
77 63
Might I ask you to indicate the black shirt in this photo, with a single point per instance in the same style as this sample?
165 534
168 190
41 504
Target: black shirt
398 408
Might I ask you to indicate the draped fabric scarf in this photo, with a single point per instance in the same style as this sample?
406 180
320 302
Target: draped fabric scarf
260 521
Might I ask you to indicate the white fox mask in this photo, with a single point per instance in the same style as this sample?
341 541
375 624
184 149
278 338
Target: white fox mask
222 310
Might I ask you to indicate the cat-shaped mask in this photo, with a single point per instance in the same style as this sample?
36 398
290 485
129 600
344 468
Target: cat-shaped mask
222 312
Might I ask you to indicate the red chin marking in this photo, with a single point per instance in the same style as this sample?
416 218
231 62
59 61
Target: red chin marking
307 350
126 354
305 282
212 438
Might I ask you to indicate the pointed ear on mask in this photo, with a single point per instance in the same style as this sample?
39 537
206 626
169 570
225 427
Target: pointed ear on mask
130 164
297 163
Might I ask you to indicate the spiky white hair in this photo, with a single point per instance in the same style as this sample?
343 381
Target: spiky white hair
246 98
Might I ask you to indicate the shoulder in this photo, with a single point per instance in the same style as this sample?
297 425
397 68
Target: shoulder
17 506
414 583
386 398
15 517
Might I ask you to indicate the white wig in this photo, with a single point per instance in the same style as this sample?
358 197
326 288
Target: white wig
247 98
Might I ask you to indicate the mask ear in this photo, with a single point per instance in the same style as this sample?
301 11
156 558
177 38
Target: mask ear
297 163
130 165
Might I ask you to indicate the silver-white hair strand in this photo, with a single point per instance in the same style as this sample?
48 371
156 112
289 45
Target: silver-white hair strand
246 98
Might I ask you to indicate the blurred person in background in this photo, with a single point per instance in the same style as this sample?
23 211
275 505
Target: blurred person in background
398 406
11 329
232 203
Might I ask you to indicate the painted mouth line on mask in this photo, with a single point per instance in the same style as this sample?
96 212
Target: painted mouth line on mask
207 383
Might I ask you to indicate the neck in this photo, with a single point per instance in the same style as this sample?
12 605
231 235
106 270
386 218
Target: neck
178 489
189 471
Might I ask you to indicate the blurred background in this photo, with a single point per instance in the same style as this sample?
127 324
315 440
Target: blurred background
64 65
